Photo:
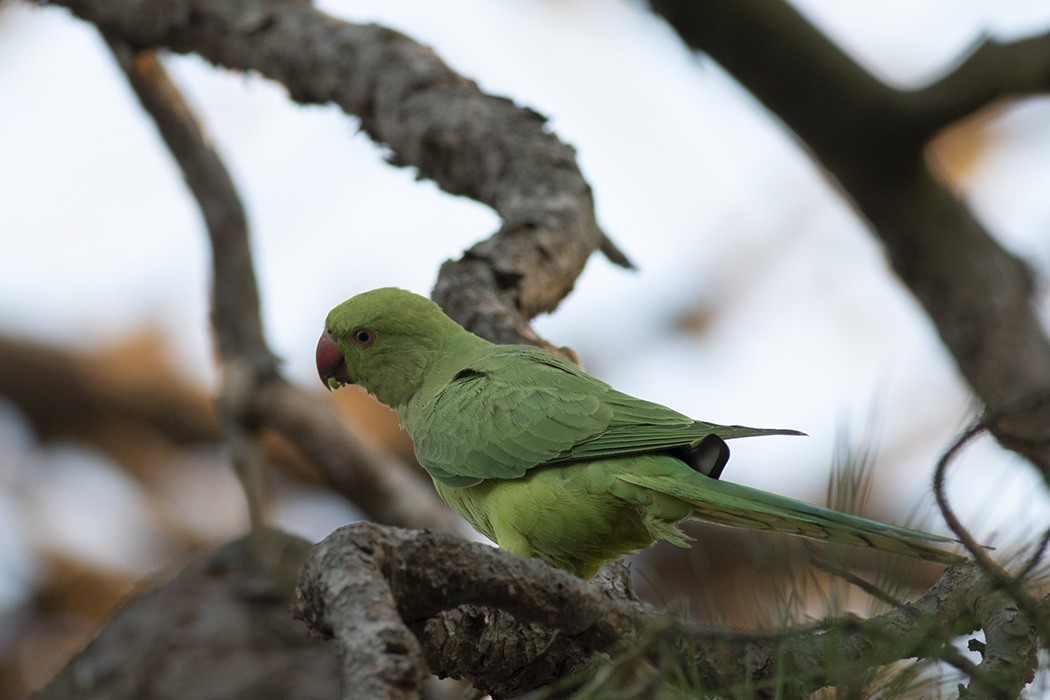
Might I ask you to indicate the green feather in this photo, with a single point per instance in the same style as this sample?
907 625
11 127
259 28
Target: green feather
736 505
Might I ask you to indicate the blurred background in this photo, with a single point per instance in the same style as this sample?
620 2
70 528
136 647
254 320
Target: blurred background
760 298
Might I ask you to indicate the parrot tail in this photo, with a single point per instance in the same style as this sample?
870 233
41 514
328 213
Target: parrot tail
735 505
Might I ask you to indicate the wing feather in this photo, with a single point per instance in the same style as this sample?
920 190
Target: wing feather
518 407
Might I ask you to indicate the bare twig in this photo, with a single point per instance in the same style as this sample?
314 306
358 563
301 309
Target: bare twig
972 546
254 395
235 299
385 488
818 558
1012 585
1036 556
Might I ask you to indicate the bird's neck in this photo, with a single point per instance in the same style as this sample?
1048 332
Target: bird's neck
456 352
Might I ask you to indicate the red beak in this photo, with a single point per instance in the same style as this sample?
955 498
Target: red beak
330 362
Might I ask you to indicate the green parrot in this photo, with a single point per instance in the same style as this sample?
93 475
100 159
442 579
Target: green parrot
549 462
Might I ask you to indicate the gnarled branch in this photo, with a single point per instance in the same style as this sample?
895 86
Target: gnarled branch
423 576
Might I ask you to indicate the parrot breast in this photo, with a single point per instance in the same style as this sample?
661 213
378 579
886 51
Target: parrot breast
577 516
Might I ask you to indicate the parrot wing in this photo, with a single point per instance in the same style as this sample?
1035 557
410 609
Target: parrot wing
640 427
520 407
504 413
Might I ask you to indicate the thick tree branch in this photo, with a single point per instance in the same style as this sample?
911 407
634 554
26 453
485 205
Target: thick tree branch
381 659
503 655
427 575
978 295
433 119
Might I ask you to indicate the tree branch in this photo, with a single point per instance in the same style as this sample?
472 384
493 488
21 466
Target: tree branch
428 575
1009 651
254 395
978 295
1011 586
235 298
993 71
385 488
433 119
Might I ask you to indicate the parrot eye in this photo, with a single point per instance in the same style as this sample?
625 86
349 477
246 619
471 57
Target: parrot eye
363 337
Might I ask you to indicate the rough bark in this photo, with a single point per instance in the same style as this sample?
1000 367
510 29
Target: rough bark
555 623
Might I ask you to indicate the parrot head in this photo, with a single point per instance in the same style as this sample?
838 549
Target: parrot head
384 341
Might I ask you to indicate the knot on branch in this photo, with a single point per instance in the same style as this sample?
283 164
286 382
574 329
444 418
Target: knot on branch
502 621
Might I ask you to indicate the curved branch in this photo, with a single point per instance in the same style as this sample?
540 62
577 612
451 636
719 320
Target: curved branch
1012 586
235 297
1009 651
433 119
381 659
